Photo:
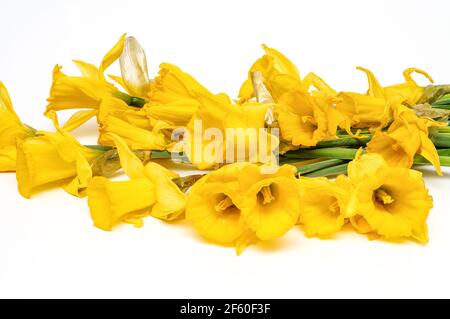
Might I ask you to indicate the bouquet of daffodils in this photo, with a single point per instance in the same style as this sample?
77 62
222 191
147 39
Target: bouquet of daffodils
289 151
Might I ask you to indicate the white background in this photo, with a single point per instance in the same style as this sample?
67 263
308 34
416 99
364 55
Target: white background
48 246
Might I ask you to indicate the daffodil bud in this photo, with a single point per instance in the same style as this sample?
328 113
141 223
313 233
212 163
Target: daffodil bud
133 67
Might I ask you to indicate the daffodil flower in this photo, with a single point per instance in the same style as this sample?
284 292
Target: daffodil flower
150 191
375 108
271 204
279 73
304 120
51 158
11 131
409 92
391 202
230 123
323 205
406 137
86 91
213 207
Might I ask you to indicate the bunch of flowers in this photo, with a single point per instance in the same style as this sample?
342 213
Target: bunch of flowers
289 151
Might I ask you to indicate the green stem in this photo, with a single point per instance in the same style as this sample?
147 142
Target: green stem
443 106
420 160
444 129
329 171
361 131
440 139
444 151
319 165
332 152
345 141
130 100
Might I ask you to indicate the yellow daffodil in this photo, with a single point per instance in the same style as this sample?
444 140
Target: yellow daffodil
231 129
11 131
150 189
279 73
305 120
409 92
271 204
121 201
392 202
323 205
213 207
54 158
119 109
370 110
375 108
406 137
85 91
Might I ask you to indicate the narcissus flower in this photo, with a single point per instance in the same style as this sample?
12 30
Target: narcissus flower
121 201
305 120
11 131
150 189
87 90
406 137
323 205
370 110
279 73
213 207
54 158
221 131
391 202
271 204
375 108
409 93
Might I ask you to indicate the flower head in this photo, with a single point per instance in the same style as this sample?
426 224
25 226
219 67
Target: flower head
305 120
54 157
121 201
213 207
323 205
406 137
392 202
409 93
87 90
271 204
150 189
221 131
279 73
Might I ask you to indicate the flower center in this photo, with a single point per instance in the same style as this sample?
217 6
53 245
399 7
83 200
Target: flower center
383 197
266 194
224 204
334 208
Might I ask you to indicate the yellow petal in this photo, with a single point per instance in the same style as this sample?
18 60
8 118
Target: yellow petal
78 119
170 200
112 55
130 163
375 89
